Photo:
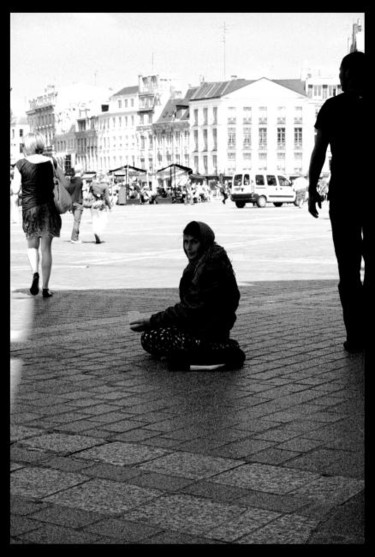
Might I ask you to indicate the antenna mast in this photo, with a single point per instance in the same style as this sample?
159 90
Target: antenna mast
224 39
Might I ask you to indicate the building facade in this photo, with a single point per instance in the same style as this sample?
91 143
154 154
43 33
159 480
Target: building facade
18 129
171 133
246 125
116 130
41 116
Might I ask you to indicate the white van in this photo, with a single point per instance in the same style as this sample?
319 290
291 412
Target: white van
261 188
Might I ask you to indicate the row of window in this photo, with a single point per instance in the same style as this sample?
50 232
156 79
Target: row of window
125 103
246 115
323 91
246 138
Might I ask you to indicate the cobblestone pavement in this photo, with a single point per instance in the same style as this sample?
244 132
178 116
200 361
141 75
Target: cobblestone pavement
108 447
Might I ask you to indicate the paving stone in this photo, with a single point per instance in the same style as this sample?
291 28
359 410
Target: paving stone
189 465
123 530
184 513
264 477
68 517
37 482
121 454
103 496
61 443
51 534
287 529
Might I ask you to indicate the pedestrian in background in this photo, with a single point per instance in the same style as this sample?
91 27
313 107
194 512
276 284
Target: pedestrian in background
14 201
75 189
33 176
343 123
196 331
101 204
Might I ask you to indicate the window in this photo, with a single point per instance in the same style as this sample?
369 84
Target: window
247 114
126 103
262 164
271 180
259 179
131 102
247 138
195 140
196 164
281 162
21 133
281 138
232 115
298 114
283 181
231 138
205 116
262 115
195 117
214 163
205 147
298 138
119 103
231 157
214 110
262 138
247 156
205 164
317 91
214 139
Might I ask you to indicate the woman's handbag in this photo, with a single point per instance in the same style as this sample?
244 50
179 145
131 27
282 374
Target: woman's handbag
63 201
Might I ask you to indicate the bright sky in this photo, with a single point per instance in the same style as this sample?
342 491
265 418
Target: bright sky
112 49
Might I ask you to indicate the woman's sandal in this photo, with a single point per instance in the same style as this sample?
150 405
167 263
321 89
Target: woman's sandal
47 293
34 289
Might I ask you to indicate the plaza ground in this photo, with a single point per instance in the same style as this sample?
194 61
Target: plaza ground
108 447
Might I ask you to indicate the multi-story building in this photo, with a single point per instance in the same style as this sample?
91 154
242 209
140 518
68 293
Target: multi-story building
86 141
244 125
171 133
154 92
117 142
18 129
41 115
58 115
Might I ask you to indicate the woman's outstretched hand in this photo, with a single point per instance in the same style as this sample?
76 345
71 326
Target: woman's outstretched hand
140 324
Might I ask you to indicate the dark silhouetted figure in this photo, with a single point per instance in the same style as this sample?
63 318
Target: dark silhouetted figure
343 123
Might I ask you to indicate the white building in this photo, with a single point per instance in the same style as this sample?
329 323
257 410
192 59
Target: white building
18 129
243 125
117 142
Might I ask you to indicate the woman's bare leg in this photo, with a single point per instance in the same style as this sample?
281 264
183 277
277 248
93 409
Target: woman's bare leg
33 254
46 249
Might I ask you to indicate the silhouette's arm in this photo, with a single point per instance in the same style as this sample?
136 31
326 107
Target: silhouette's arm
316 164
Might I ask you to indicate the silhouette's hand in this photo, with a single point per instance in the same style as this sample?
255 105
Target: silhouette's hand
314 200
139 325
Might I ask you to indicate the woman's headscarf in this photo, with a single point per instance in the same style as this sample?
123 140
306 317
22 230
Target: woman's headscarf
202 232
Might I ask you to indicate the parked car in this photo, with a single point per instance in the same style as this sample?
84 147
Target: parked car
261 188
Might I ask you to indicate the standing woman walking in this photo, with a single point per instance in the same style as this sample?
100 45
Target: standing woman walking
41 222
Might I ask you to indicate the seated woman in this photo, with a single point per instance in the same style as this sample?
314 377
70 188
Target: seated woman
196 331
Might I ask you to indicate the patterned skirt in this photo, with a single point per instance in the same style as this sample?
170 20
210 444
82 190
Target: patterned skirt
40 221
169 341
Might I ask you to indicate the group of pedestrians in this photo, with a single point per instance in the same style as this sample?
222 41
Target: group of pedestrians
196 330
